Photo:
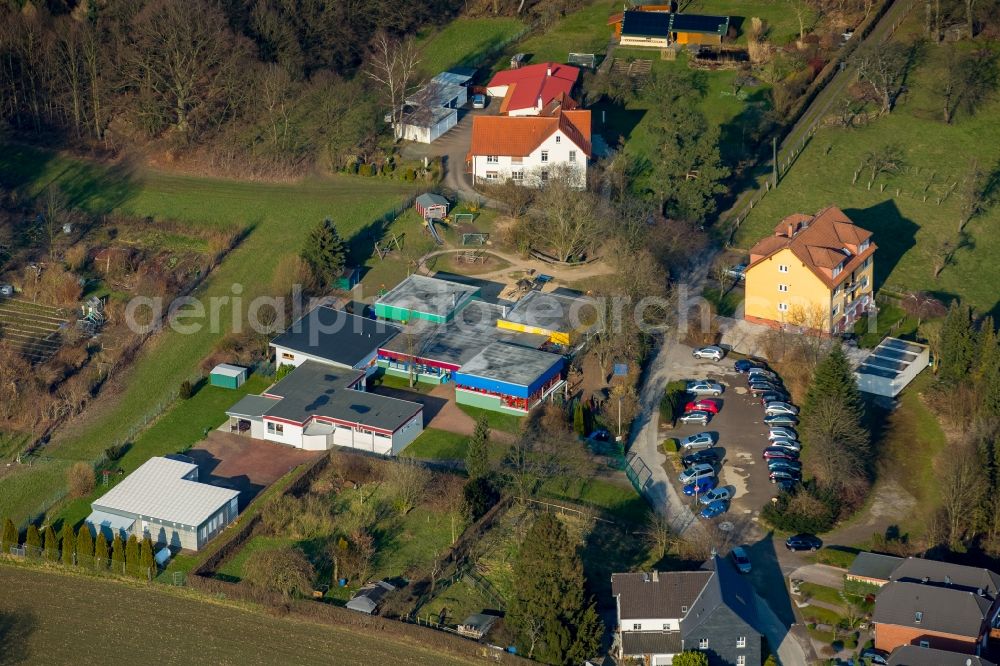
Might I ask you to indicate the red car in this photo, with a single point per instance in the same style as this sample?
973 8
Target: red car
702 406
780 453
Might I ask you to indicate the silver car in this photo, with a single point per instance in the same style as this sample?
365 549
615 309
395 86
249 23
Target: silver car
719 493
790 444
702 440
704 387
780 432
699 417
773 408
695 472
711 352
760 374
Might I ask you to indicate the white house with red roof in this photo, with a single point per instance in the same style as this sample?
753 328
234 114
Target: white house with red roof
527 91
530 149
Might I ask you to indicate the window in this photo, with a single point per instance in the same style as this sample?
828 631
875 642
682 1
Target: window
782 268
637 626
287 356
492 159
517 175
925 644
837 270
782 287
703 644
864 282
275 428
782 307
572 156
545 156
918 616
863 246
741 660
558 139
741 641
545 176
666 626
836 309
491 175
684 609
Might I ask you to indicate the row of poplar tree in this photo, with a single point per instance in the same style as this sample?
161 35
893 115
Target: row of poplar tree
130 557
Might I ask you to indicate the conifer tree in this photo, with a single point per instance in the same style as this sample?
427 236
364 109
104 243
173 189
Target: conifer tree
554 621
9 539
477 455
33 541
101 551
325 253
85 545
68 544
51 544
146 557
958 344
118 554
579 422
132 555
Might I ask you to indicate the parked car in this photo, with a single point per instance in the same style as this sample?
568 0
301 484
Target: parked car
716 508
718 493
773 396
874 656
786 485
780 408
703 406
479 101
699 417
784 465
704 387
712 352
758 374
757 389
781 420
703 440
707 456
700 486
741 558
775 452
784 475
744 365
695 472
600 436
789 444
737 272
781 432
803 542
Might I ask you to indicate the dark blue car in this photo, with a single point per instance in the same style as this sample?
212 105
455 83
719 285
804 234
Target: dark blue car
716 508
702 485
745 364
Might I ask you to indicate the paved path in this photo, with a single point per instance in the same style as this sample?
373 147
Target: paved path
819 574
518 263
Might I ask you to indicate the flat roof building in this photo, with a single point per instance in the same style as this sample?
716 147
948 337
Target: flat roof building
333 337
891 366
561 317
421 297
508 378
164 500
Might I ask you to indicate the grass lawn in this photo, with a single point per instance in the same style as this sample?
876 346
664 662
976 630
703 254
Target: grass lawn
438 445
835 557
820 615
392 381
907 227
822 593
48 615
232 569
891 320
464 42
583 31
620 500
725 303
458 601
279 216
12 443
781 21
505 422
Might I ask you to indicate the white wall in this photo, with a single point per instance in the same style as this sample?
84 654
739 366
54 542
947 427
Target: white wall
284 356
292 435
652 624
558 146
430 134
497 91
409 432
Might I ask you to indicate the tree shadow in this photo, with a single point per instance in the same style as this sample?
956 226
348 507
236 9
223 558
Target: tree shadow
894 234
614 122
16 628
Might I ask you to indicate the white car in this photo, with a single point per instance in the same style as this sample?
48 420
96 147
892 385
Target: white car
704 387
702 440
710 352
719 493
772 408
695 472
479 101
780 432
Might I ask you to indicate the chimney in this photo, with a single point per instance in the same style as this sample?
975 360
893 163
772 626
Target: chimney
791 229
548 70
656 576
539 101
947 580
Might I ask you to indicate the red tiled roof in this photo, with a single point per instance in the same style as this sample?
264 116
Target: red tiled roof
819 241
519 136
547 80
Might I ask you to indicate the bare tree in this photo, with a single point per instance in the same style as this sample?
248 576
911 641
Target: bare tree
564 217
969 80
802 10
920 305
393 65
406 481
979 192
942 255
658 536
882 67
886 159
962 490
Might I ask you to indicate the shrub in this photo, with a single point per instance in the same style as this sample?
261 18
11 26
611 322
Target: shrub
146 557
411 174
9 539
33 539
284 570
51 544
132 563
85 544
80 479
808 510
101 551
186 390
68 544
479 495
365 170
115 451
671 445
672 402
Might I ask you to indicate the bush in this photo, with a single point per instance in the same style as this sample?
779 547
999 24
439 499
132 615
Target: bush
366 170
671 445
283 570
479 495
671 404
115 451
283 371
186 390
808 510
80 479
411 174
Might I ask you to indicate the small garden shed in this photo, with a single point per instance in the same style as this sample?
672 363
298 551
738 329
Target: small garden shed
432 206
227 376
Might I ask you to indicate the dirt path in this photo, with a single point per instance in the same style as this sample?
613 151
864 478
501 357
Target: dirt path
519 264
890 505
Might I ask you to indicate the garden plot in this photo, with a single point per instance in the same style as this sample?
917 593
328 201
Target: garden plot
30 328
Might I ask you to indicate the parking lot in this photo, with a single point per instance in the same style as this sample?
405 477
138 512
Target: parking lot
740 434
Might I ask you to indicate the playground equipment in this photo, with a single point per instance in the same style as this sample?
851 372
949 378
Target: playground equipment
434 233
475 239
385 246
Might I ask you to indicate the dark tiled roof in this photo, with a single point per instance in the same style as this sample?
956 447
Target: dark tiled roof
874 565
949 611
657 594
916 569
651 642
725 588
912 655
335 336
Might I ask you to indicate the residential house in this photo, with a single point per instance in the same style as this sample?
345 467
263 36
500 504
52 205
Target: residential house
528 149
527 91
319 406
164 500
333 337
938 605
814 273
661 614
912 655
873 568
